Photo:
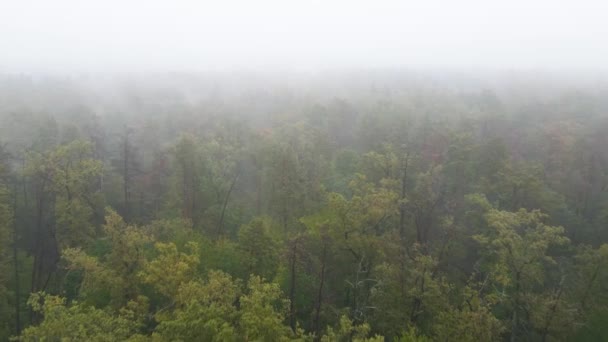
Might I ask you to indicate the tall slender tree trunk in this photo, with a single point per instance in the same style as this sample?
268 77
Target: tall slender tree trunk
402 214
220 225
126 178
316 323
553 310
514 316
37 265
292 285
36 269
417 302
16 266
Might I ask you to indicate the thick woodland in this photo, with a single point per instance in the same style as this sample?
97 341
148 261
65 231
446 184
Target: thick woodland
363 206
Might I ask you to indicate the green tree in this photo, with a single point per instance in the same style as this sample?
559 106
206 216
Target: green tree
259 247
66 201
113 277
263 312
517 254
79 322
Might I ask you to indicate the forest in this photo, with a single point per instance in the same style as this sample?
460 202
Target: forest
362 205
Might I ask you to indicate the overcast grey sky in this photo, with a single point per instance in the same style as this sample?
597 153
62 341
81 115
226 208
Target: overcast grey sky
176 35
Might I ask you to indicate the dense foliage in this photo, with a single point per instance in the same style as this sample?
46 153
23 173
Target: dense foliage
351 207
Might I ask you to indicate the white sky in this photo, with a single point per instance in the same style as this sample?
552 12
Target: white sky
204 35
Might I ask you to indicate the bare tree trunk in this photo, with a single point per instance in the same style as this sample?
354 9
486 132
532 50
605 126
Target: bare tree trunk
583 300
37 265
315 322
292 285
402 214
126 177
514 316
220 225
417 302
16 265
36 269
402 198
553 310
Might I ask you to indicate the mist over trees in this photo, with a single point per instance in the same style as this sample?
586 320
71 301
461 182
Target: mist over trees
361 205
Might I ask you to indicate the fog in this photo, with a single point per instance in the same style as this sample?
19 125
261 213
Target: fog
112 35
303 170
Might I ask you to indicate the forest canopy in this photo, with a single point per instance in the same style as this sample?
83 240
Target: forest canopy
338 206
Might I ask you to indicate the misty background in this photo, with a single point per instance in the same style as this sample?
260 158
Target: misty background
143 36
